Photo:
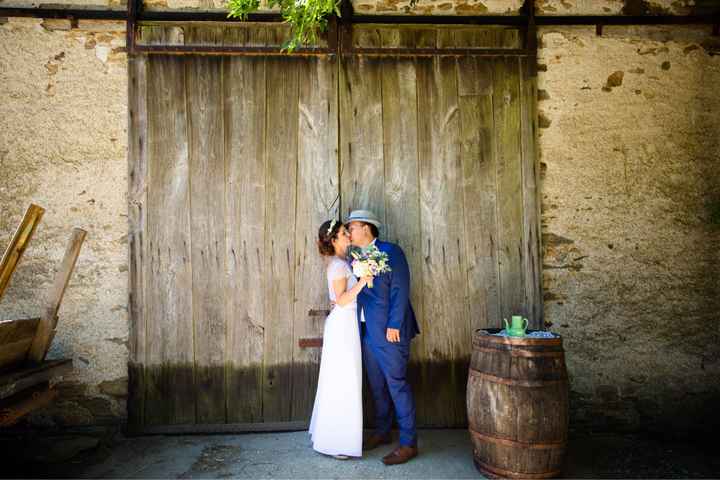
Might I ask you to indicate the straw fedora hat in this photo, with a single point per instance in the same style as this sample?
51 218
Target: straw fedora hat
366 216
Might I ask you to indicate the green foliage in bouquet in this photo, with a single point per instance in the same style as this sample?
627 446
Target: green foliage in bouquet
307 18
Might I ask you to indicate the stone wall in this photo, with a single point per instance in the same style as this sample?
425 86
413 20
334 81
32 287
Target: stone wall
63 144
629 148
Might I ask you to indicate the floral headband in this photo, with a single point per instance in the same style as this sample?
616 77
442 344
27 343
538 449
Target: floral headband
330 229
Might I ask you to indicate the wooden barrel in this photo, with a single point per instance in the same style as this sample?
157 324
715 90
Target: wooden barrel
517 400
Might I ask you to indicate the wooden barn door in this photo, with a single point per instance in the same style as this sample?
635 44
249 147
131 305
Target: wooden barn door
235 161
442 148
233 167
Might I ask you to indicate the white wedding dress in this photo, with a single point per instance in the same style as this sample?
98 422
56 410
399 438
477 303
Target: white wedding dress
337 418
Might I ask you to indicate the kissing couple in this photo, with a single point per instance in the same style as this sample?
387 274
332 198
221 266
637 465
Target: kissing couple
372 320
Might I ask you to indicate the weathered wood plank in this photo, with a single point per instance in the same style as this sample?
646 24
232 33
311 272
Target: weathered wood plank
203 34
426 37
14 330
441 211
18 380
19 243
256 37
531 202
475 78
207 218
17 406
161 34
367 36
317 189
402 183
170 348
235 35
48 321
361 155
393 37
506 111
15 339
245 158
280 192
137 248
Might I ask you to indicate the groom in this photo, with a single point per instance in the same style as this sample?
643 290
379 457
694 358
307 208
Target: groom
387 325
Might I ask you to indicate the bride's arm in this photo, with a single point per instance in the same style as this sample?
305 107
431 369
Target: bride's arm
344 297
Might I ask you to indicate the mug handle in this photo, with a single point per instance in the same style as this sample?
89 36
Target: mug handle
526 323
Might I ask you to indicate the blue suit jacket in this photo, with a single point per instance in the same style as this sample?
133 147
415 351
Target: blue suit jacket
387 304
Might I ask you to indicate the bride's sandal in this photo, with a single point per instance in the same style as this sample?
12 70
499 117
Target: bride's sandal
341 457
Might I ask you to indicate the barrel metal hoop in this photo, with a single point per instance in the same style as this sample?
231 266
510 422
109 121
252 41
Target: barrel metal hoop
518 352
515 443
510 474
519 383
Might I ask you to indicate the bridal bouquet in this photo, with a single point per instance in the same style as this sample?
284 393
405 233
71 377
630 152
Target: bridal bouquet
370 263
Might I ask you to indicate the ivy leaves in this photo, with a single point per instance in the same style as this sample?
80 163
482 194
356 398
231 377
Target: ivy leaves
307 18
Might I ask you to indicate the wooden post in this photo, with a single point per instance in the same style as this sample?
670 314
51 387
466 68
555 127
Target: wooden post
18 244
46 327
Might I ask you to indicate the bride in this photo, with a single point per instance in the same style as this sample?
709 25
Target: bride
336 422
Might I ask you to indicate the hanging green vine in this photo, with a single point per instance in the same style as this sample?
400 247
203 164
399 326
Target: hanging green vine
307 18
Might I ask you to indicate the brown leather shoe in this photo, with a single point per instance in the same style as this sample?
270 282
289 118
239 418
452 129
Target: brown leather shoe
375 440
400 455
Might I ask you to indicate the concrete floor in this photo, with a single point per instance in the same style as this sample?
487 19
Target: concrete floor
443 454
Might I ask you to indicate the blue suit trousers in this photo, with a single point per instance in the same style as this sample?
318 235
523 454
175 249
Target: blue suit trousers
386 369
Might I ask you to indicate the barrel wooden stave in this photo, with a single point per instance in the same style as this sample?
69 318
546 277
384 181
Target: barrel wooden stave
517 399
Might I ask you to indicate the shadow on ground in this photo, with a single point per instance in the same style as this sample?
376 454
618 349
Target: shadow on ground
106 453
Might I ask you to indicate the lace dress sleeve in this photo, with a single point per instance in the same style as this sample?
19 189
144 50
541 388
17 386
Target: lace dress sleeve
337 270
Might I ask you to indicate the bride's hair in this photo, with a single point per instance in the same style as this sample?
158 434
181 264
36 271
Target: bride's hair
327 232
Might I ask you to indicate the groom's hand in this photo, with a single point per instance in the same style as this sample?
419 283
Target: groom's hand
393 335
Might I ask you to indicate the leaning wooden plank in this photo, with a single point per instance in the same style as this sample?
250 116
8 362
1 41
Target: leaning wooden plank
47 324
18 244
16 336
17 380
19 405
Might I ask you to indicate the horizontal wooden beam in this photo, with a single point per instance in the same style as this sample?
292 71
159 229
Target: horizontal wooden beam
437 52
216 428
518 20
227 50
